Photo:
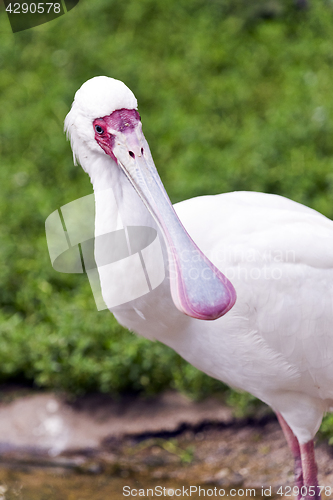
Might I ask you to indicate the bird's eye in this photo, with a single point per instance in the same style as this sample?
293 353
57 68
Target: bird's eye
99 129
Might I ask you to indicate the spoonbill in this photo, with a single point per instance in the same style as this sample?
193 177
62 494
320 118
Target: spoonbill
270 331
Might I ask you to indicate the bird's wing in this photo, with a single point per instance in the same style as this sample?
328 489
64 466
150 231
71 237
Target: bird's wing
252 227
279 256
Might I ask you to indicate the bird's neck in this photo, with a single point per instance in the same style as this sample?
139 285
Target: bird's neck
117 206
116 201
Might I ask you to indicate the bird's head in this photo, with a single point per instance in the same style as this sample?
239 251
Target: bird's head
99 109
104 121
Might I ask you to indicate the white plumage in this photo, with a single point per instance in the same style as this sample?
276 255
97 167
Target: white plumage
276 342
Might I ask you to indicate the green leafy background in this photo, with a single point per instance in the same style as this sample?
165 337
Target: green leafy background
234 95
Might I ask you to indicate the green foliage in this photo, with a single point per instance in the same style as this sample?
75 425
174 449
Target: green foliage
326 429
234 95
244 404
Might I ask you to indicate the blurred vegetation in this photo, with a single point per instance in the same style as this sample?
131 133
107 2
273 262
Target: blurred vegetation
234 95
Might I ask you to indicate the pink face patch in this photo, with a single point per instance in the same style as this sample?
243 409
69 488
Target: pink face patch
121 120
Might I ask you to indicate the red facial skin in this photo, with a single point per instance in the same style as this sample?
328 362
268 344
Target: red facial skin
122 120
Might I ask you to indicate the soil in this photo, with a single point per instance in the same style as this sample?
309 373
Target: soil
96 443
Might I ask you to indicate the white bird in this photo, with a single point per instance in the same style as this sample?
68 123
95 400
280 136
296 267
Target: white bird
275 339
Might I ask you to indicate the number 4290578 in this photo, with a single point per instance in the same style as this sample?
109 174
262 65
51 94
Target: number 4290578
33 8
289 491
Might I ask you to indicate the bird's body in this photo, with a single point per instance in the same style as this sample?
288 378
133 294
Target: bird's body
275 341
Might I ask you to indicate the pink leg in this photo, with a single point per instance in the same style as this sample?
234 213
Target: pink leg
310 471
295 450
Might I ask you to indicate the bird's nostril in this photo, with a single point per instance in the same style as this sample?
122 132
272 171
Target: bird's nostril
142 151
132 154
